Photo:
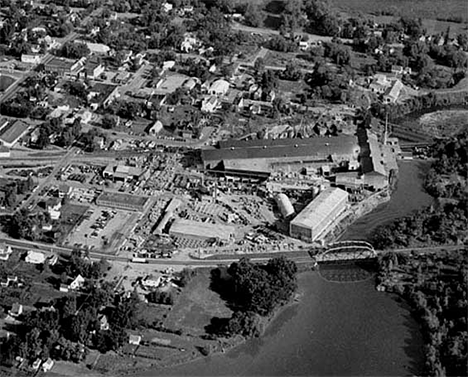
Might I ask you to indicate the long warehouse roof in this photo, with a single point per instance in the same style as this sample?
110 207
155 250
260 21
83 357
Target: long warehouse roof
317 147
319 208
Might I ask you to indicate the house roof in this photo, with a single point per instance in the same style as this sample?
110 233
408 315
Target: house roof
395 90
219 86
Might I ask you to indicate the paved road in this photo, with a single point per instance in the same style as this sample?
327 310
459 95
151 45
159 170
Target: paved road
297 256
28 245
265 31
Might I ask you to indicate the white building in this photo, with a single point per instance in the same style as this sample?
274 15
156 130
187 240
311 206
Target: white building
30 59
35 257
318 215
47 365
134 339
155 128
77 283
209 104
5 252
219 88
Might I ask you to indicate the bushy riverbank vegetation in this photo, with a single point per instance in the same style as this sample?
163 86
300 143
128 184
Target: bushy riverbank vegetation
436 287
254 292
445 221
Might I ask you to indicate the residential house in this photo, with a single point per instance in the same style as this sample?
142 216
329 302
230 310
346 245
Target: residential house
134 339
77 283
5 252
151 282
47 365
393 93
167 7
219 87
35 257
155 128
100 142
53 259
209 104
189 43
16 310
53 207
8 281
397 69
103 322
304 45
36 364
64 190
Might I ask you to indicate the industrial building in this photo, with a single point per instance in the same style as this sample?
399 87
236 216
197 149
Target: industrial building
11 132
318 215
201 231
265 156
122 201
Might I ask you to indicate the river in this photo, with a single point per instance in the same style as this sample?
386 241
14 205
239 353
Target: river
337 329
408 197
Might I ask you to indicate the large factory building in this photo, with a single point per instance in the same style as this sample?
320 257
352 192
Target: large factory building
318 215
265 156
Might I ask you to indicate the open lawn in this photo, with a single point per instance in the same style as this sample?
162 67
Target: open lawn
5 82
435 9
196 306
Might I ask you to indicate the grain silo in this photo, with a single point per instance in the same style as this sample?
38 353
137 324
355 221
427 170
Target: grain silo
284 205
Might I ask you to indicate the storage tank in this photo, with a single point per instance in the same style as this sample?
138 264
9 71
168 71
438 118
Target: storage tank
284 205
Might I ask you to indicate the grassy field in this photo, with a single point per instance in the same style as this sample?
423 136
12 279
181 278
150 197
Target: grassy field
196 306
5 82
435 9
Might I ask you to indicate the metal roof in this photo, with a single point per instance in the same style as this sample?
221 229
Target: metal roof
315 148
318 209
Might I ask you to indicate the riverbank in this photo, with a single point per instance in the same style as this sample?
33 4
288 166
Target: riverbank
435 287
408 196
335 329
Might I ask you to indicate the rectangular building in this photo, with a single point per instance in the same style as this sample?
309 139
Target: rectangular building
12 132
119 200
318 214
278 154
201 231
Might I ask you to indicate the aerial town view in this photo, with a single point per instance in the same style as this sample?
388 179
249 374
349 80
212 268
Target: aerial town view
233 187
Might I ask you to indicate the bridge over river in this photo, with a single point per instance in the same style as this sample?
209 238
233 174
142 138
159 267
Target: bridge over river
346 251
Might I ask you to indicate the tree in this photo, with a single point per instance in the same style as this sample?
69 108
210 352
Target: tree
292 72
74 50
109 122
254 15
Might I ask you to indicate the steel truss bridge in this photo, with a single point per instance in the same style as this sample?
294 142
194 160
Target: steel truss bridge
346 251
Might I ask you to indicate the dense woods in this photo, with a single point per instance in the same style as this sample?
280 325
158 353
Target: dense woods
253 291
436 287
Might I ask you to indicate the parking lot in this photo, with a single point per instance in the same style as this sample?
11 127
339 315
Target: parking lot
100 228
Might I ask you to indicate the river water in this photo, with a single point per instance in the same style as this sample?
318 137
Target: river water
408 197
337 328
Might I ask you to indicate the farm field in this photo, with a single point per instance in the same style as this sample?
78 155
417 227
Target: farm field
441 9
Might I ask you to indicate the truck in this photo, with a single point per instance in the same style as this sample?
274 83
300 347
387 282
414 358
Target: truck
139 260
